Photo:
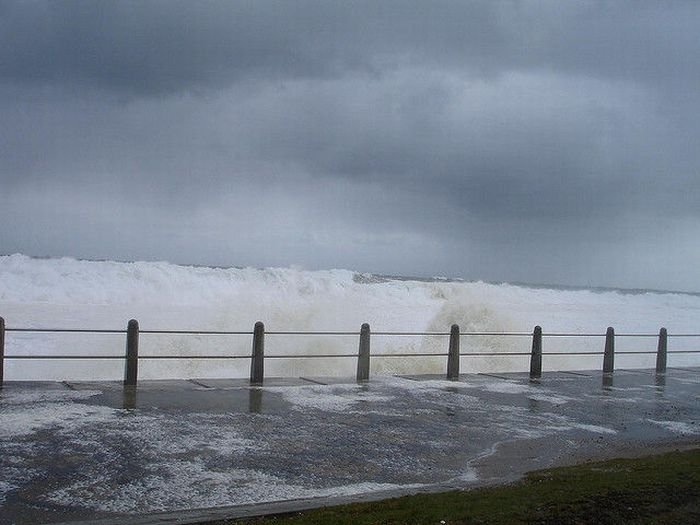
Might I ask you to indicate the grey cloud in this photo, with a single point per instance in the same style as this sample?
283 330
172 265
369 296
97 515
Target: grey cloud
479 149
399 137
160 47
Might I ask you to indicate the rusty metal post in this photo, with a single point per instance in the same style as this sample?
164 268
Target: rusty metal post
257 362
363 354
536 355
453 353
609 355
132 353
661 351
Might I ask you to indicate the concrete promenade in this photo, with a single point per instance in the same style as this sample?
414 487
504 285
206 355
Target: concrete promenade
97 451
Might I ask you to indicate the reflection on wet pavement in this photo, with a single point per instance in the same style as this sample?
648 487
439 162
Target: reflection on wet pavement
85 450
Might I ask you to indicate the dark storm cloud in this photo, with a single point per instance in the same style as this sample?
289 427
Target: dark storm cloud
167 46
416 137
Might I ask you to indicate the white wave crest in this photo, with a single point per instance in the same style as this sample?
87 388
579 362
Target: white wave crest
68 293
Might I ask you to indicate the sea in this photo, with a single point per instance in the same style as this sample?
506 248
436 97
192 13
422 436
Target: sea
407 315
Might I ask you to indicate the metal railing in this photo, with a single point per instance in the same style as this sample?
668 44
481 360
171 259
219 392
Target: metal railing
257 357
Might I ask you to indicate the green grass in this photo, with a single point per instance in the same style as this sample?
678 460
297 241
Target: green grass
659 489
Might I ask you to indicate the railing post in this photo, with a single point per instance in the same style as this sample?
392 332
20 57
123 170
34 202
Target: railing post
661 351
132 353
536 355
363 354
453 353
2 351
609 355
257 362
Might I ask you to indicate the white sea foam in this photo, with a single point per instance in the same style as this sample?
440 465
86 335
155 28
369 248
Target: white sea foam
551 398
596 429
201 465
506 387
340 398
66 293
188 484
678 427
24 397
24 413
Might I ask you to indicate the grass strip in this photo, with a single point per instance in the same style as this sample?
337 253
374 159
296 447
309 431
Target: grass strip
659 489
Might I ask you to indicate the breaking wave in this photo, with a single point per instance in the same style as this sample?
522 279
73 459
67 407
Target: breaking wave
69 293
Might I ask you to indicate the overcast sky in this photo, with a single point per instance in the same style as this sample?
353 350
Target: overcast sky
545 142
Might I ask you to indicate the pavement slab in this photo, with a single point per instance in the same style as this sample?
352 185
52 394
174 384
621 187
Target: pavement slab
85 451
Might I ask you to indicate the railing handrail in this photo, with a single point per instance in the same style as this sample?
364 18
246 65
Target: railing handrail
258 333
332 332
331 356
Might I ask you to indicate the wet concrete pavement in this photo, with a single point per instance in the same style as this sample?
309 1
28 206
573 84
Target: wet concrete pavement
78 451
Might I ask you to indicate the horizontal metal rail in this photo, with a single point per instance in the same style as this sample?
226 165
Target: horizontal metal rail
189 357
322 333
573 353
453 355
412 354
329 333
492 354
409 334
308 356
108 331
488 334
327 356
193 332
64 357
567 334
636 335
66 330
